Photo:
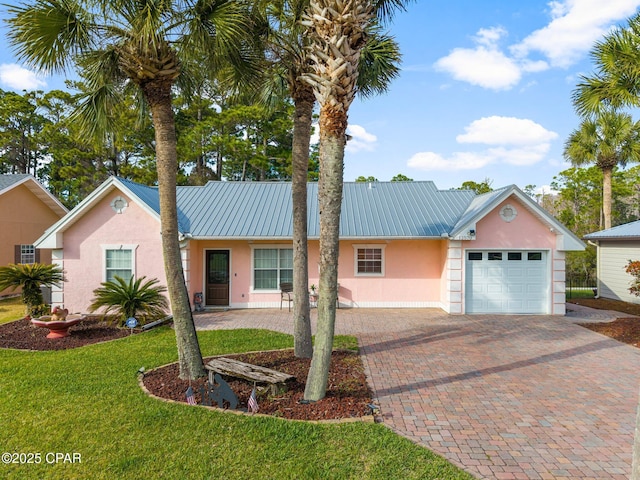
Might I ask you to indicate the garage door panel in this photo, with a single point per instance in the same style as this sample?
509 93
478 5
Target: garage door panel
514 284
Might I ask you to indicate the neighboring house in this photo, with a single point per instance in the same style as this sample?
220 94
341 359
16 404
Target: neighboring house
403 244
27 209
616 246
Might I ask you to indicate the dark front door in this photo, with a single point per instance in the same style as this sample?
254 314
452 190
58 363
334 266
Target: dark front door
217 278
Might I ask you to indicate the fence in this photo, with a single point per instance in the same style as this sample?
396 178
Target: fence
580 287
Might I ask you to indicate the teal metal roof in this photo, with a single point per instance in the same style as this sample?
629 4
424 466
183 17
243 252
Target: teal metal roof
628 231
262 210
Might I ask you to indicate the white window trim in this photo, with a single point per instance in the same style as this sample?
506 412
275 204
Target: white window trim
355 259
264 246
132 247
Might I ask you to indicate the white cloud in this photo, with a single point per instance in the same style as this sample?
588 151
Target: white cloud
512 141
485 65
18 78
496 130
361 140
575 26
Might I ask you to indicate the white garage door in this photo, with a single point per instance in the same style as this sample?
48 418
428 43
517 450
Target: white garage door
506 281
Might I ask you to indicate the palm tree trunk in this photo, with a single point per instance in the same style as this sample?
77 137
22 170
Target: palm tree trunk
303 116
333 126
606 196
189 356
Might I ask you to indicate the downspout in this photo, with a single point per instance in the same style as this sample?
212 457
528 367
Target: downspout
597 245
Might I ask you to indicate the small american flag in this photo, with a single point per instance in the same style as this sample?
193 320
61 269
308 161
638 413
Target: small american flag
253 401
191 398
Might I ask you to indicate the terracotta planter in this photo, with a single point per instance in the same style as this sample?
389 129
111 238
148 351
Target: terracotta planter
57 329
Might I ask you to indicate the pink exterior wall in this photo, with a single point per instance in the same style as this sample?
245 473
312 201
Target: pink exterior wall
412 274
525 231
417 273
23 219
83 255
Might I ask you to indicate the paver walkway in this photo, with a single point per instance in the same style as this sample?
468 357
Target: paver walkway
504 397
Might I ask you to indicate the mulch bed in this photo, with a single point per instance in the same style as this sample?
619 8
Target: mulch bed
347 395
626 330
24 335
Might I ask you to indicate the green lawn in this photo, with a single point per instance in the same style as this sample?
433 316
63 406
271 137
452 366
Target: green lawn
586 292
87 402
11 309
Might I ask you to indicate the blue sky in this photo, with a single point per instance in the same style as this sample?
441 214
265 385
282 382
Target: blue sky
485 90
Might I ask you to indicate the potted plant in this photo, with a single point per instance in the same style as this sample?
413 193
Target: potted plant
313 296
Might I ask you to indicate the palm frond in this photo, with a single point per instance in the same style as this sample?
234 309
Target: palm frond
135 297
50 33
379 63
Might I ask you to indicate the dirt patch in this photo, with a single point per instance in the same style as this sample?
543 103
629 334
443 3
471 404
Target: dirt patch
24 335
347 394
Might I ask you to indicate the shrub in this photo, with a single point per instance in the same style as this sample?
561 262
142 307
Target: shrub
30 277
633 269
130 299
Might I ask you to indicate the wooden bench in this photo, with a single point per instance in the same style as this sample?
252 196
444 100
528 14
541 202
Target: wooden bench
234 368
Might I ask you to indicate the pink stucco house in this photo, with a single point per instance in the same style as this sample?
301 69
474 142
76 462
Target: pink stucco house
27 209
403 244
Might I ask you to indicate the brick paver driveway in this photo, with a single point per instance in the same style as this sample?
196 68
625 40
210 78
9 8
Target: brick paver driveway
531 397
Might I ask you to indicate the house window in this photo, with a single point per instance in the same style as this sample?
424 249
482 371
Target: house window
271 267
369 260
119 262
27 254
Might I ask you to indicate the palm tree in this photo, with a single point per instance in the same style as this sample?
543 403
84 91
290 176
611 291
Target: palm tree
616 82
130 299
338 32
608 140
148 46
30 277
287 44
